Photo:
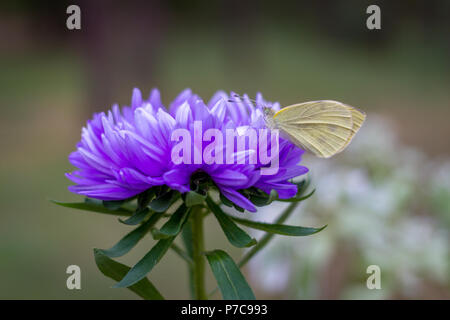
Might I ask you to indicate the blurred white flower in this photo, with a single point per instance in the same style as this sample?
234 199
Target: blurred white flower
380 199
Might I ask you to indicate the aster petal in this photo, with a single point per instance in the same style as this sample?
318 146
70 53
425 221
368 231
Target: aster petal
178 178
238 199
219 95
76 178
229 177
285 190
77 160
219 110
182 97
286 174
155 99
104 192
183 115
110 152
152 150
136 99
95 161
133 178
166 123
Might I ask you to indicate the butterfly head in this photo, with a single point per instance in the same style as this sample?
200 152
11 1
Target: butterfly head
268 112
268 117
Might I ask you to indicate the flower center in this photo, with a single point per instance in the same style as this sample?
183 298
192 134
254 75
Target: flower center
200 181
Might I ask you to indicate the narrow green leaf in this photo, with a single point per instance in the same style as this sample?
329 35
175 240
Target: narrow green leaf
173 226
146 264
278 228
237 237
297 198
302 186
186 235
261 199
113 204
93 201
230 280
268 236
94 207
182 254
138 216
163 202
115 270
141 211
145 197
193 198
129 241
225 201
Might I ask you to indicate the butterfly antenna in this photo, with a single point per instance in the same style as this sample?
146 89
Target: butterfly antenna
242 98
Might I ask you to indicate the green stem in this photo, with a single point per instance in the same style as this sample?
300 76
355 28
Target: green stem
197 256
268 236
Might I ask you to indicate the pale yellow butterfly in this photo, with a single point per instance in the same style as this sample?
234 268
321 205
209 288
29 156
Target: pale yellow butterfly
324 127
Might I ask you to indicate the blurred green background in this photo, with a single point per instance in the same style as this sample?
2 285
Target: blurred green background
52 79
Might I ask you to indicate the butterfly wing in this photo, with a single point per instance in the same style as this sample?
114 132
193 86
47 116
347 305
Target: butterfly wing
321 127
358 118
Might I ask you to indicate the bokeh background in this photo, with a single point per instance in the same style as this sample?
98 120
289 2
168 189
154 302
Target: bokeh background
52 79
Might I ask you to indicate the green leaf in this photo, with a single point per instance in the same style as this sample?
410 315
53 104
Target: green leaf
93 201
94 207
297 198
279 228
260 198
230 280
147 263
145 197
259 201
186 235
164 201
129 241
225 201
193 198
173 226
141 212
155 217
113 204
237 237
302 186
182 254
268 236
138 216
115 270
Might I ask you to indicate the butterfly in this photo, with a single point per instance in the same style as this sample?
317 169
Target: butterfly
324 127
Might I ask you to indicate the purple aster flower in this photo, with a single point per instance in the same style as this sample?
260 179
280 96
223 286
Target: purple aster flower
126 151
